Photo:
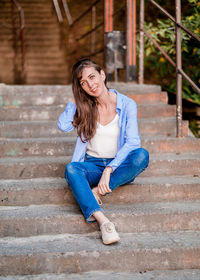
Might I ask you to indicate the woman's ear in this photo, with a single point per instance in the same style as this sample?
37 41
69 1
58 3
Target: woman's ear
103 75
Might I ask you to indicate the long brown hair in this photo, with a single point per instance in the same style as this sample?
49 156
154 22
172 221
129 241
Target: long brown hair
86 115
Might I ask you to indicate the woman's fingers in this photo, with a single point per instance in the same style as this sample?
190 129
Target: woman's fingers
103 189
104 183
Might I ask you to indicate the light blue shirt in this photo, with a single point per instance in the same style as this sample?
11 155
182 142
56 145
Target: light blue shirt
128 140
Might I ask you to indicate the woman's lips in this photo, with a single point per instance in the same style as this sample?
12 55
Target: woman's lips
94 90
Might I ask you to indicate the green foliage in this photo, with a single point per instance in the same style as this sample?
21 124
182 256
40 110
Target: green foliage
164 34
195 128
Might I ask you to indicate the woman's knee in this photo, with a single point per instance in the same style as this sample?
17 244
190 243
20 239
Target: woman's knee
70 170
141 157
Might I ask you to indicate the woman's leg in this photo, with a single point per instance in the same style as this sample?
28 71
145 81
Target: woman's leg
80 176
135 163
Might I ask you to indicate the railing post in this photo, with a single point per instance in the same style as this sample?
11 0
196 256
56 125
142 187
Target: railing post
131 41
108 10
21 37
108 24
141 45
178 75
23 50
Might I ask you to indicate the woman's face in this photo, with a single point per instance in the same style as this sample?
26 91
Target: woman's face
92 82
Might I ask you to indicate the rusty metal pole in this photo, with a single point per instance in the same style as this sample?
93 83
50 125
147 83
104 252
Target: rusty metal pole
141 45
108 15
178 75
108 23
131 41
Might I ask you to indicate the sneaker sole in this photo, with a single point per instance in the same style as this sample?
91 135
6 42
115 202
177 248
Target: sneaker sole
112 241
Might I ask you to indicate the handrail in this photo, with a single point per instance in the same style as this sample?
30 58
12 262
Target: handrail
100 24
85 12
90 31
22 37
67 13
174 20
179 71
92 8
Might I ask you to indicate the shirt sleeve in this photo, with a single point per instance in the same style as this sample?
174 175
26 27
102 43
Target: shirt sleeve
132 138
66 118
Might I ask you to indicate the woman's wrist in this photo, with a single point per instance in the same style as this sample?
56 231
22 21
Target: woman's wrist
108 169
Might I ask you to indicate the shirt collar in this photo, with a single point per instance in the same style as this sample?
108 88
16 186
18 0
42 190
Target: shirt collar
119 99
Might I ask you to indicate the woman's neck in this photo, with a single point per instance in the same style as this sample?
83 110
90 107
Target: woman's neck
105 99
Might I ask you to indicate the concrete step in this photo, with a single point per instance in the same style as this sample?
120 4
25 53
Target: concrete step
38 146
55 191
56 95
47 53
57 66
60 146
49 80
37 129
31 113
35 95
185 274
52 52
51 73
55 72
36 167
132 87
32 220
70 253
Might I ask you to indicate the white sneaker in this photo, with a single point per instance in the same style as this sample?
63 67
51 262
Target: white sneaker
109 234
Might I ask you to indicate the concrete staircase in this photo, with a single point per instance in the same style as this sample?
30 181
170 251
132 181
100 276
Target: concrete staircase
46 61
42 232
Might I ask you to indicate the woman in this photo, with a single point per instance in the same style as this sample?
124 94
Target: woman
107 153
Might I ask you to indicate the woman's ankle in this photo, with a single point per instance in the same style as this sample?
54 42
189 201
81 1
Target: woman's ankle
100 217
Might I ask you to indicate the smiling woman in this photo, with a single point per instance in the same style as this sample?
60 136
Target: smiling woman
88 80
107 152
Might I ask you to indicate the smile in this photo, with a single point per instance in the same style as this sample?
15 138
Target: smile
94 90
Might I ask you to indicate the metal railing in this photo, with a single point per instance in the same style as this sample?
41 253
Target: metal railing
94 27
22 37
178 64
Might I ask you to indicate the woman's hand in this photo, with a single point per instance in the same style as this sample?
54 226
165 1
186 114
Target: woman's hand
103 186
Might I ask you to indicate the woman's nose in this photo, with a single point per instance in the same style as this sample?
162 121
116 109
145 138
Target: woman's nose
90 84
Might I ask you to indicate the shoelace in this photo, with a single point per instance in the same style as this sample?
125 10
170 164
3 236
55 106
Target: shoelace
109 227
98 199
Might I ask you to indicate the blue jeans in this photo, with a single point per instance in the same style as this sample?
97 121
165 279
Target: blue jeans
81 176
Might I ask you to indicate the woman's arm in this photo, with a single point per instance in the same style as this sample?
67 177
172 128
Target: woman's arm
131 142
66 118
132 138
103 185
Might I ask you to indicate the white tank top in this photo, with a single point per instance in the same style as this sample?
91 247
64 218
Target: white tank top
104 144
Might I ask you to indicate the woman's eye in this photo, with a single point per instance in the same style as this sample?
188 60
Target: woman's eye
82 83
92 76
